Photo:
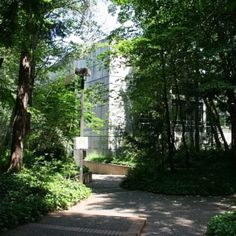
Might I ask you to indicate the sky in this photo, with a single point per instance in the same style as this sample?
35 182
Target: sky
106 21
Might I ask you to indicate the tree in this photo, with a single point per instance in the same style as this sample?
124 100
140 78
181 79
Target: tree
188 45
56 116
28 27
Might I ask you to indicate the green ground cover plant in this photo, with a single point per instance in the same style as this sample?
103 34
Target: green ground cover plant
43 187
223 224
112 159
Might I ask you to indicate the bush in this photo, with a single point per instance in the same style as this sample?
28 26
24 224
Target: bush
45 187
126 155
210 174
101 158
111 159
223 224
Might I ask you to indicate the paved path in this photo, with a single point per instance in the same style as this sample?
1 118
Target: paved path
112 211
166 215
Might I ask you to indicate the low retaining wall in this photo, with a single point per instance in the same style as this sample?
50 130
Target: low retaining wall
108 169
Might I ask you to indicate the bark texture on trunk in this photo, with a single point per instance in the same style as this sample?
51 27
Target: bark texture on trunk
179 104
217 123
20 116
232 111
170 141
233 129
212 124
1 61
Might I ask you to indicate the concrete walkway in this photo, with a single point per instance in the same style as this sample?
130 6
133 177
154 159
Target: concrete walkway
166 215
114 211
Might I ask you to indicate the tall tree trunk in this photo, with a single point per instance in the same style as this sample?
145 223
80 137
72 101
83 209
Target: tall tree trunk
1 61
190 125
217 123
167 115
196 123
232 111
20 117
233 132
31 88
183 132
196 106
230 75
181 115
213 122
175 119
215 135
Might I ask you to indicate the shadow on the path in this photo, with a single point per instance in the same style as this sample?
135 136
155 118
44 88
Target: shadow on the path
106 183
74 224
167 215
110 210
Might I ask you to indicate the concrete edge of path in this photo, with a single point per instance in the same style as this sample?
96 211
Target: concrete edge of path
137 226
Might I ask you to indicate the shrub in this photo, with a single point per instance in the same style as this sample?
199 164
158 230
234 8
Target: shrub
223 224
210 174
126 155
101 158
45 187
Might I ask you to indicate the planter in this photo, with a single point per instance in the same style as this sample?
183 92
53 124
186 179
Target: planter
108 169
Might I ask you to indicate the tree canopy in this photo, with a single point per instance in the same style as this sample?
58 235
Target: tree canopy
182 54
34 33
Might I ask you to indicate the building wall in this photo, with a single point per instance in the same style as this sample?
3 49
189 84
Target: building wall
117 115
108 138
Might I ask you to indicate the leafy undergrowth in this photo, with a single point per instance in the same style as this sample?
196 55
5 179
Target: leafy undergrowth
210 175
33 192
111 159
223 224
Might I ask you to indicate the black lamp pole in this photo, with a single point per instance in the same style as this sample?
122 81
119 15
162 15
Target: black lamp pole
82 73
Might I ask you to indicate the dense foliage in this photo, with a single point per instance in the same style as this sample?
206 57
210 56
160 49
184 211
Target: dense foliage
127 155
181 97
180 93
42 187
224 224
211 173
39 110
34 34
55 116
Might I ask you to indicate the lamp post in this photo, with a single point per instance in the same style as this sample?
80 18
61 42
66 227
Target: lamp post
81 142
